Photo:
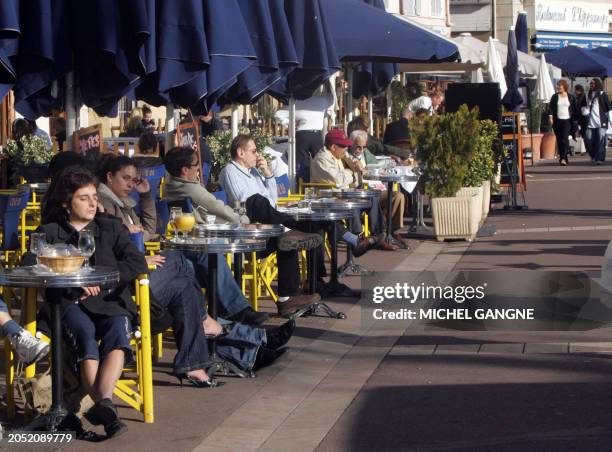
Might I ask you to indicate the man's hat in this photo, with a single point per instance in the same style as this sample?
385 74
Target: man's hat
337 137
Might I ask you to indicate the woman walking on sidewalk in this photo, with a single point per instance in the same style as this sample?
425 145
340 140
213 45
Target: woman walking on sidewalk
561 112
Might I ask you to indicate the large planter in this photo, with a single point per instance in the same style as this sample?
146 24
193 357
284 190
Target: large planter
533 141
548 148
34 172
486 198
474 191
457 217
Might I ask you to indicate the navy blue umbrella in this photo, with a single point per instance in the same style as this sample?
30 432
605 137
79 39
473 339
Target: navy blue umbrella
521 32
372 78
361 32
272 40
603 51
580 62
9 34
512 100
315 50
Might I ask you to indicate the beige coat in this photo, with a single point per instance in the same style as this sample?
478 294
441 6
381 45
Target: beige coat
325 168
204 203
123 208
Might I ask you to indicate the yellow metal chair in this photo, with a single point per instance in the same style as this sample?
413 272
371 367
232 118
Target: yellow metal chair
138 393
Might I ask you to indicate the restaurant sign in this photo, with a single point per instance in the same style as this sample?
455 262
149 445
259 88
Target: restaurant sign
568 16
552 41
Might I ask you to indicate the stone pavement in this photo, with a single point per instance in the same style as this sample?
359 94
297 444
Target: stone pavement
343 386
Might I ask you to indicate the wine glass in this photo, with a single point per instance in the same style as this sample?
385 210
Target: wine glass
38 241
87 245
175 212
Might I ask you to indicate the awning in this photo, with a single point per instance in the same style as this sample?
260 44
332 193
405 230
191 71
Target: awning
550 40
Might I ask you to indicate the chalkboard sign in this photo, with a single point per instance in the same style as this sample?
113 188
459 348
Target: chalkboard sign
88 141
188 134
509 125
509 166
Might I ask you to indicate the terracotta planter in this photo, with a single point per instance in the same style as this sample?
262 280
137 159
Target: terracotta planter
548 149
533 141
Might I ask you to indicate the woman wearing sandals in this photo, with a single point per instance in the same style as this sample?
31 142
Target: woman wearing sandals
561 113
91 313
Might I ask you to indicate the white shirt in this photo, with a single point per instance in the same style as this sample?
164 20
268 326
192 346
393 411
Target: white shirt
423 102
309 114
594 119
563 106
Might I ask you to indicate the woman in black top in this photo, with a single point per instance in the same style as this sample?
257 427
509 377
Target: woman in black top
561 113
93 314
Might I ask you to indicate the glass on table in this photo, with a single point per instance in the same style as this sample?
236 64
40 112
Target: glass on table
175 212
87 245
38 242
185 223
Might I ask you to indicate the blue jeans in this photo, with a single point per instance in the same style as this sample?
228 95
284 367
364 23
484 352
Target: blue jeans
241 344
84 330
596 143
230 298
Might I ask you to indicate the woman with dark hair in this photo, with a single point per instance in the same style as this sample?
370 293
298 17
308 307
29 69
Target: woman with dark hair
594 109
561 112
180 273
91 314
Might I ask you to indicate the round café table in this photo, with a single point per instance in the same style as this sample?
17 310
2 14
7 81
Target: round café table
390 179
42 278
350 267
213 246
239 231
318 214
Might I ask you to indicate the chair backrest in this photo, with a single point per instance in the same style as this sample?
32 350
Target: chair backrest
154 175
137 239
206 167
34 172
282 185
163 216
11 206
220 195
184 204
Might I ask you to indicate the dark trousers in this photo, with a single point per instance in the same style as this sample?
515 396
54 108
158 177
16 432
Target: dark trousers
562 129
307 144
259 210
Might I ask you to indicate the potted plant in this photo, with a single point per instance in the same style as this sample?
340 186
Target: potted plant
445 144
548 148
31 156
219 144
534 139
483 163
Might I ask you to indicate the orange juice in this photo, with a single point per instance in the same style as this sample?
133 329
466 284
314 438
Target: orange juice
185 223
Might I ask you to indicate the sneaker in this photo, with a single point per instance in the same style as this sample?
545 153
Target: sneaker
279 336
296 303
249 316
296 241
28 348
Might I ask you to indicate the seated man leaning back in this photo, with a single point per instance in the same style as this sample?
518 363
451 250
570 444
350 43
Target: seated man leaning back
182 165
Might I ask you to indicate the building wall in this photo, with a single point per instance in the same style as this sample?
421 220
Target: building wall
433 14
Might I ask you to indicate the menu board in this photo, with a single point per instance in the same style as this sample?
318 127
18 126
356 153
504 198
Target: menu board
512 168
188 134
88 141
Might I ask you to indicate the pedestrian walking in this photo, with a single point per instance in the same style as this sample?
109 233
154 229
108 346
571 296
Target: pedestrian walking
594 109
561 110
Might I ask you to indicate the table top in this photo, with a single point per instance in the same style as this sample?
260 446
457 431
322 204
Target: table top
214 245
350 193
37 276
239 231
335 204
396 177
38 187
305 214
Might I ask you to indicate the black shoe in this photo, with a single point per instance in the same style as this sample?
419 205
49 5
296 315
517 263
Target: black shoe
210 383
115 428
279 336
364 245
296 303
266 356
249 316
103 412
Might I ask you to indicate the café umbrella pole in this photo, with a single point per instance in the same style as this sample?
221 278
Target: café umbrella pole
70 108
292 150
234 120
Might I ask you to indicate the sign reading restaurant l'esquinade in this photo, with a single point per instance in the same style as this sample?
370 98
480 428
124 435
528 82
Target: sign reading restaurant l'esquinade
572 16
